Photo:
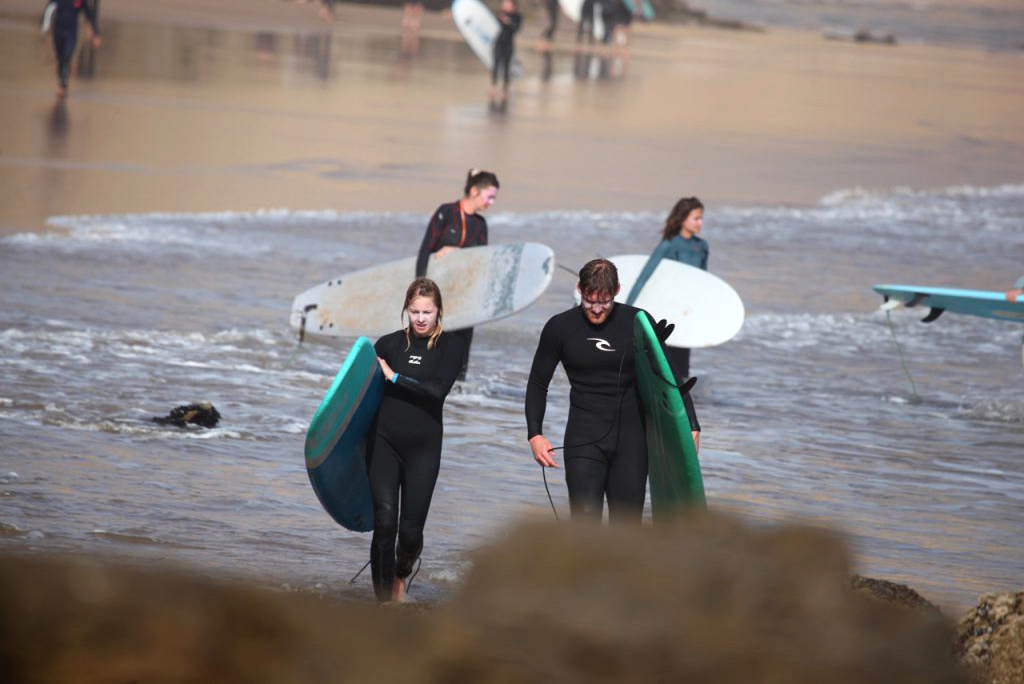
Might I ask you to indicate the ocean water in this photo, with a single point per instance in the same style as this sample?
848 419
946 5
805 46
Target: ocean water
907 437
994 25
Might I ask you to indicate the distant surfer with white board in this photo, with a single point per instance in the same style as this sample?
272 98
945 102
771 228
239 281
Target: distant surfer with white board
605 451
680 241
456 225
403 458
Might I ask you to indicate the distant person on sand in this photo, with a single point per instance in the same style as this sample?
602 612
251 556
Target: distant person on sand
65 35
412 17
679 242
403 455
1018 289
585 29
327 10
456 225
504 48
548 35
605 443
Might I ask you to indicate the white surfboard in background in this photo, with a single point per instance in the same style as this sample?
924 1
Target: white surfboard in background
478 285
704 308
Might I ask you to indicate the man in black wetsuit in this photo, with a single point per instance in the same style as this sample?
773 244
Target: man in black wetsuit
65 35
605 445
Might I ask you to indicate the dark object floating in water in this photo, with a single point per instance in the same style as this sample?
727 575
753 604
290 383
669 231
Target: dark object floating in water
203 414
863 36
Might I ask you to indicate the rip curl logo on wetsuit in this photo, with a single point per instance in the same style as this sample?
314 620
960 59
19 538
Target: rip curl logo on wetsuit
415 360
602 345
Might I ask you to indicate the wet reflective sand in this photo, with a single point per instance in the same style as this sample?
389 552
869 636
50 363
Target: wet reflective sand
263 105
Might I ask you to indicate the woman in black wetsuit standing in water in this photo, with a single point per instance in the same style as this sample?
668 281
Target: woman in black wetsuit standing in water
403 454
459 224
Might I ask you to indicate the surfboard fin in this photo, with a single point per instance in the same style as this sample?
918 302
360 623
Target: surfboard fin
932 315
890 304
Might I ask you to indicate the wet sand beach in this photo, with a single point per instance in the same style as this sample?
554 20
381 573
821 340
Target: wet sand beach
256 105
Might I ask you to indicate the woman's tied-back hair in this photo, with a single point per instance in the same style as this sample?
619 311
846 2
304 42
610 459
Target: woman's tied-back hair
679 213
423 287
480 180
599 276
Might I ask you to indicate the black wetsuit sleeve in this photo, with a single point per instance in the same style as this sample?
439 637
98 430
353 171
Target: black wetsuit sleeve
440 385
545 360
431 240
691 412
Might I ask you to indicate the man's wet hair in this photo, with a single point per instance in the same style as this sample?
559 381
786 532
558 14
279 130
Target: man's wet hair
599 276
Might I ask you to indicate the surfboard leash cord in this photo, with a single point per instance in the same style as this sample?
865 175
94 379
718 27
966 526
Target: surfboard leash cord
903 360
408 584
302 336
611 425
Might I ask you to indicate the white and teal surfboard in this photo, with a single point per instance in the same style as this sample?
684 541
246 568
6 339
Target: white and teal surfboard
981 303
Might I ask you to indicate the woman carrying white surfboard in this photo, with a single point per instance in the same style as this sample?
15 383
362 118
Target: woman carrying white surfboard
456 225
403 454
680 242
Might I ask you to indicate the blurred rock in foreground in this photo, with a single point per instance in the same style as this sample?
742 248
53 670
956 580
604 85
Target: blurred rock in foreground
705 600
991 639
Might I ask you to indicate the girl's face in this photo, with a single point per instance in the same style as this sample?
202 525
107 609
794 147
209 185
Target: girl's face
422 316
481 199
693 223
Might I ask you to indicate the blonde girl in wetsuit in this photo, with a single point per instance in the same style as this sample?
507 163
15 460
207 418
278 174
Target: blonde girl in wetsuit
403 456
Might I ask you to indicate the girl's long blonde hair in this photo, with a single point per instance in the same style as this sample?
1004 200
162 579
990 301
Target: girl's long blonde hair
423 287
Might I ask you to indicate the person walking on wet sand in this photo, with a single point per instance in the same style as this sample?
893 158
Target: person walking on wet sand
605 442
548 35
403 455
504 48
457 225
65 35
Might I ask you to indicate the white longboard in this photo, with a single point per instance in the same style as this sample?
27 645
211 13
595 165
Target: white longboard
574 10
704 308
478 285
480 28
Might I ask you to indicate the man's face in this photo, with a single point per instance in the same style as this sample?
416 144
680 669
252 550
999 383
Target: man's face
597 306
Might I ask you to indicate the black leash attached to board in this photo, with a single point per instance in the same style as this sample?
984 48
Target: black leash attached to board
302 334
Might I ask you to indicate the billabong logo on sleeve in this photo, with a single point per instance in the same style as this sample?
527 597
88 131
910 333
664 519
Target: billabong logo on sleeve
415 360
